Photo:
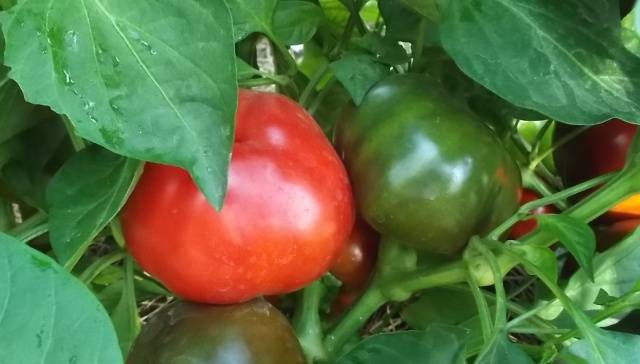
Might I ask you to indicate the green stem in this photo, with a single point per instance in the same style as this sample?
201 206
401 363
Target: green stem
535 146
100 264
116 232
419 42
530 206
77 142
262 81
33 233
4 80
344 39
532 181
483 309
29 224
321 95
501 295
307 323
353 320
562 141
313 82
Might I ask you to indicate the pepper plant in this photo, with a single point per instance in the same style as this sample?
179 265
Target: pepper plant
319 181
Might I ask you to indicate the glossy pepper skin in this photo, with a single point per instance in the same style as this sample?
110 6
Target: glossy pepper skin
599 150
424 169
189 333
286 216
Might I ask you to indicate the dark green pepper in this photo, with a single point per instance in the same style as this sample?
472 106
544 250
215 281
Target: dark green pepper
188 333
424 169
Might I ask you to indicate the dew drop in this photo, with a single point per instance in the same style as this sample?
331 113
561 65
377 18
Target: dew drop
116 61
67 78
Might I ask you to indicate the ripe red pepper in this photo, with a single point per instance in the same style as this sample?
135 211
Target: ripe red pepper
286 216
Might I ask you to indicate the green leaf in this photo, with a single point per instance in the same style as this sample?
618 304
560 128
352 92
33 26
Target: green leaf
430 9
244 70
337 15
401 23
385 50
541 257
437 344
440 306
575 235
501 350
47 315
125 315
605 347
616 271
564 59
251 16
16 115
296 21
152 80
33 157
84 196
358 73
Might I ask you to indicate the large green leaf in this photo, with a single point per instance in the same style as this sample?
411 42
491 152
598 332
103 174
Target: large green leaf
565 59
46 315
608 347
437 344
152 80
84 196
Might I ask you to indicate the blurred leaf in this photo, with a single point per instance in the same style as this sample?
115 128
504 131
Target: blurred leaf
437 344
16 115
336 13
332 108
564 59
296 21
402 23
47 315
152 80
125 315
84 196
33 157
440 306
575 235
501 350
385 50
358 73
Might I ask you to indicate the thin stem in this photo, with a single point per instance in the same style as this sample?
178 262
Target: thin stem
116 232
537 330
535 145
262 81
32 222
77 142
483 308
321 95
348 326
307 323
533 181
4 80
562 141
313 82
419 42
530 206
346 36
418 280
525 317
33 233
501 296
100 264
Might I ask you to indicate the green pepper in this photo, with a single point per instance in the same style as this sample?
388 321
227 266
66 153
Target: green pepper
426 170
188 333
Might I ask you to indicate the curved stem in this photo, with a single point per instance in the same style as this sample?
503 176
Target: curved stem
313 82
353 320
100 264
32 222
483 308
33 233
307 323
77 142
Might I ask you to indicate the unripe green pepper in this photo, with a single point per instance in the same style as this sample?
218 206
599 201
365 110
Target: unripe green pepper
424 168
